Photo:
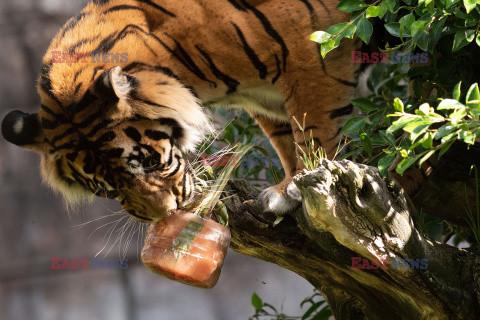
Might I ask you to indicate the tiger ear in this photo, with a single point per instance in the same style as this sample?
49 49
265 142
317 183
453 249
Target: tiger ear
114 84
23 129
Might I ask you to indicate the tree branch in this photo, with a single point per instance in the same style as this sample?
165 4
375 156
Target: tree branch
350 212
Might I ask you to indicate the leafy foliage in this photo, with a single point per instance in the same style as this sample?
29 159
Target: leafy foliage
316 309
430 121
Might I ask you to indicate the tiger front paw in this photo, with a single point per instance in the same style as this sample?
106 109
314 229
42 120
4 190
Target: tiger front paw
281 198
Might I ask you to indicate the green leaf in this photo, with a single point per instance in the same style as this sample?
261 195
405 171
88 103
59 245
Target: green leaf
366 143
324 314
477 39
462 38
354 125
327 47
372 11
418 131
364 105
389 138
312 309
350 5
405 164
385 163
341 30
364 29
425 109
469 138
398 105
473 99
393 28
427 142
445 147
412 125
457 91
469 5
417 26
382 9
257 302
449 104
390 4
444 130
458 115
320 36
405 25
425 157
400 123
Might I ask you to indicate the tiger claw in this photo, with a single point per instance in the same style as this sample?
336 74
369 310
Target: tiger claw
280 199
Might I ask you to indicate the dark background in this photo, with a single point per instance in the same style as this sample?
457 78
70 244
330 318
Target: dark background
35 225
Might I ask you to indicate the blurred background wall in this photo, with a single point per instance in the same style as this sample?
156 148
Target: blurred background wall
35 227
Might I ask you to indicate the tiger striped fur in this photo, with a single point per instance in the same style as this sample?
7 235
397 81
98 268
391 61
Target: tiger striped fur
119 130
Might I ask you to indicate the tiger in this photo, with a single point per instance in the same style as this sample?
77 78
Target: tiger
124 87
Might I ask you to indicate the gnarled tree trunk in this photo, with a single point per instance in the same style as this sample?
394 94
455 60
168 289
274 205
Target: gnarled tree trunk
350 211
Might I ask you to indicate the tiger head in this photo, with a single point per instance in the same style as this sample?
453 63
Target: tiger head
116 133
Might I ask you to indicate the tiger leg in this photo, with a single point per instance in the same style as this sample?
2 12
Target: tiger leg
321 106
280 135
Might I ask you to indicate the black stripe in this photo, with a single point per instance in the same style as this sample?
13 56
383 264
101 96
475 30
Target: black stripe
184 186
279 71
98 126
72 23
156 6
262 69
104 138
236 5
231 83
324 6
345 82
50 125
177 130
86 101
52 113
133 213
317 142
343 111
121 8
308 5
282 132
310 128
46 83
156 135
290 95
177 167
133 134
134 95
77 88
73 47
181 55
107 43
67 132
95 71
113 153
270 30
166 71
89 120
72 156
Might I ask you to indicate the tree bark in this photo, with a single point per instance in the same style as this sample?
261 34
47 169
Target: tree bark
350 212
